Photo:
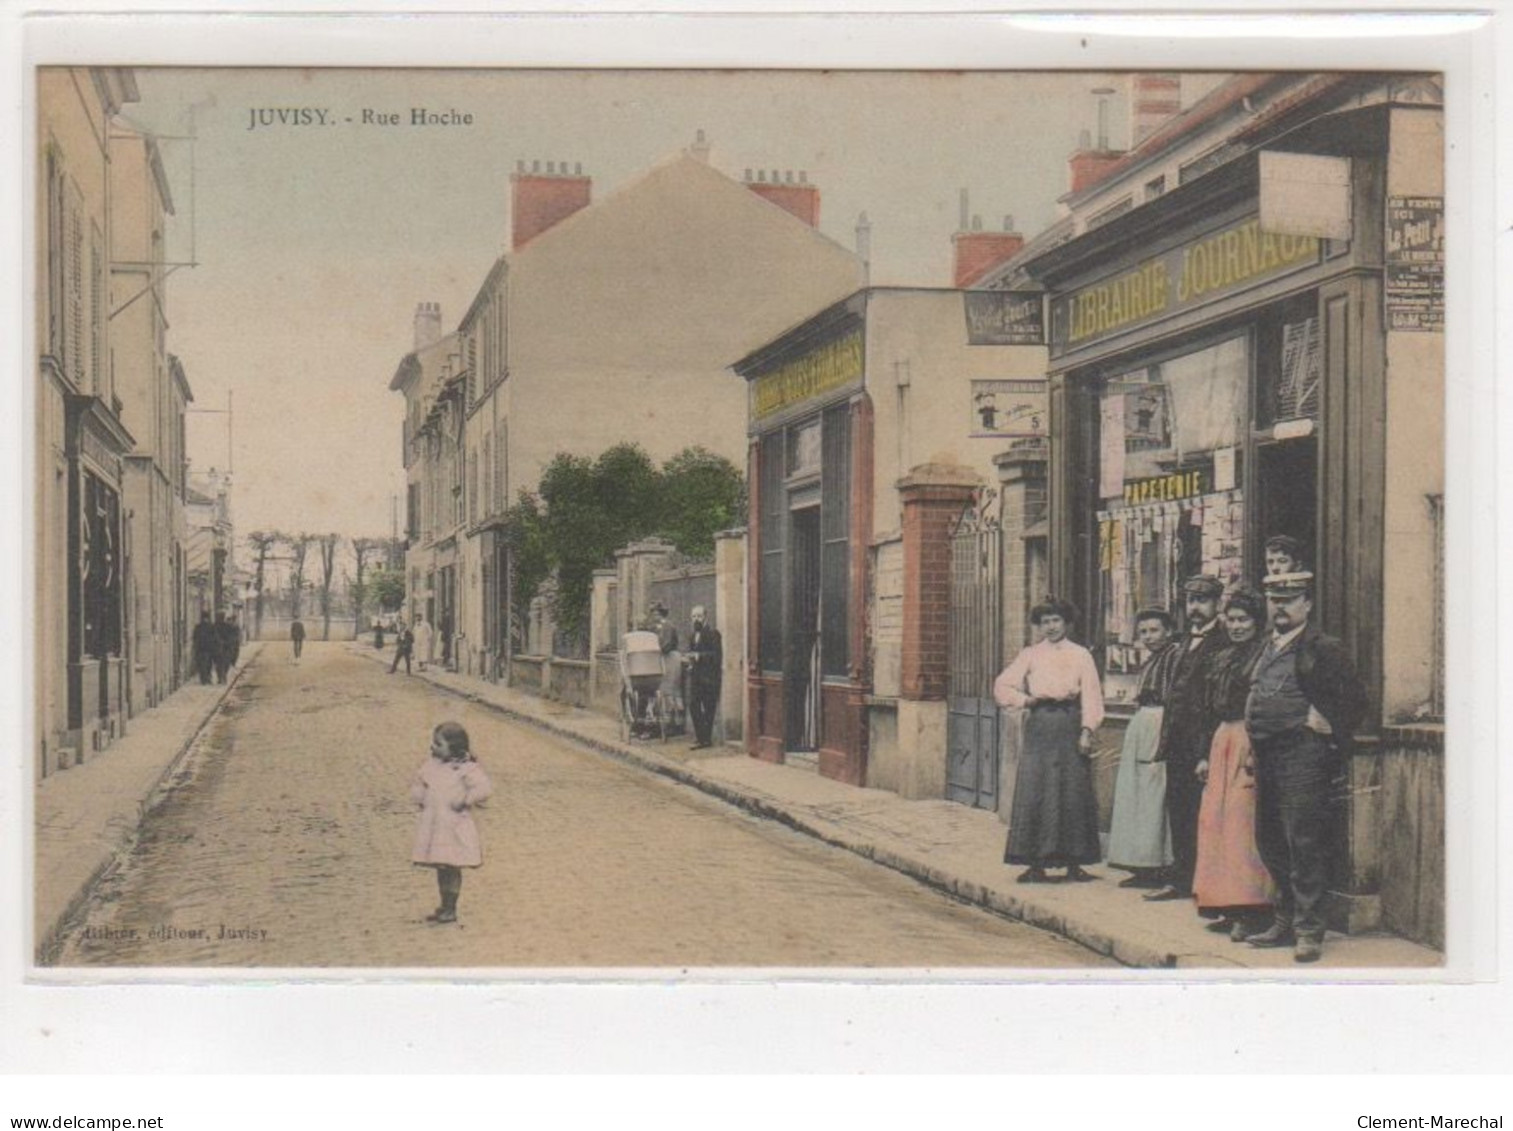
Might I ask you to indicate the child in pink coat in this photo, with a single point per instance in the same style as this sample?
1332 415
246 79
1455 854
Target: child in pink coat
446 789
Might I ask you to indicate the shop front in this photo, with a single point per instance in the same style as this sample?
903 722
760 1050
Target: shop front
810 452
1215 382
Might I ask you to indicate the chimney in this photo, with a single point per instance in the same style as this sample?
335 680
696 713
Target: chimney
1156 96
864 238
978 252
427 325
1089 164
699 151
794 194
539 201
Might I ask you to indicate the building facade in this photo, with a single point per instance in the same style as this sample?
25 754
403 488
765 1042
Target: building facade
82 441
874 427
1245 335
154 394
607 322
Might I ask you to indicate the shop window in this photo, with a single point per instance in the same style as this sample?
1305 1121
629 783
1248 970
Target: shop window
804 448
1170 481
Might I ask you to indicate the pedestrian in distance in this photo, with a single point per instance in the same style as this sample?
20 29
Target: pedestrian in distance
378 633
404 647
297 634
1230 884
228 644
704 658
424 642
447 787
205 645
1140 839
1054 823
1187 730
1304 706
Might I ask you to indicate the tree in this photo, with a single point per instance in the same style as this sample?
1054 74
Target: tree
588 509
328 544
387 587
364 549
702 494
263 542
299 546
530 563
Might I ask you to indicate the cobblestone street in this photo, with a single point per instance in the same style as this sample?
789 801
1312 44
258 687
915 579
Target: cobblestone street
285 842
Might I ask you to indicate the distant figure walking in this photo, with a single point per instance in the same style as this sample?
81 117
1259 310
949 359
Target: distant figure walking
704 659
228 647
446 789
404 646
205 644
425 641
297 634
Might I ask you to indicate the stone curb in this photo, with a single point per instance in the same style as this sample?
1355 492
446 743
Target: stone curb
52 940
992 899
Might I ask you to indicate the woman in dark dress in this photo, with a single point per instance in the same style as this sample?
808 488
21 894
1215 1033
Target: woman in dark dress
1054 823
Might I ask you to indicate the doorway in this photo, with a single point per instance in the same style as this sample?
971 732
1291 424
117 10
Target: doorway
1287 482
801 685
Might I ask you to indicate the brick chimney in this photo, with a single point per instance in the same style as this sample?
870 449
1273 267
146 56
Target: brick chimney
1088 165
540 200
977 252
427 324
797 197
1155 96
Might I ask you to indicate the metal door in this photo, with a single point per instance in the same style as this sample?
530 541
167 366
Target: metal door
974 657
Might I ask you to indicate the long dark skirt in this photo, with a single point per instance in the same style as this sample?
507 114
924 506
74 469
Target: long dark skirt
1054 822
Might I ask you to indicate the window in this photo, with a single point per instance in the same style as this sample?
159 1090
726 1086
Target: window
1155 188
1113 212
835 543
1171 446
773 503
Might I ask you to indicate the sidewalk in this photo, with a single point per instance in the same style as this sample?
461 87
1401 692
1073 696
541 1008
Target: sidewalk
951 847
86 817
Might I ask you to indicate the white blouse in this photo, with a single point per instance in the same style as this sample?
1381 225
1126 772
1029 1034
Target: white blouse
1053 671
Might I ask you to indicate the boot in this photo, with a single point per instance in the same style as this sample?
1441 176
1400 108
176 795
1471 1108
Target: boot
447 912
1278 934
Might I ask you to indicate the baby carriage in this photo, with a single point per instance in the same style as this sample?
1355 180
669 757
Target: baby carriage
647 709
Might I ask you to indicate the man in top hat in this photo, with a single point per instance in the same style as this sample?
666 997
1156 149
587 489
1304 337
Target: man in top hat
704 658
1305 703
1187 730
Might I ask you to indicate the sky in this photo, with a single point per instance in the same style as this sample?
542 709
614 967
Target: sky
312 244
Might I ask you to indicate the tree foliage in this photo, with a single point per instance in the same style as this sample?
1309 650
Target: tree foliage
386 587
586 509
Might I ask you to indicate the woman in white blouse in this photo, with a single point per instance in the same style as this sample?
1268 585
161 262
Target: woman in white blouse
1054 822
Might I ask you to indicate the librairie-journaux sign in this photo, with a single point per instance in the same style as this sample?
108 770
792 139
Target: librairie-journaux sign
830 367
1182 278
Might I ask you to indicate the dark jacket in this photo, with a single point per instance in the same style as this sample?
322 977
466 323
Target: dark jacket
705 653
1188 723
1328 679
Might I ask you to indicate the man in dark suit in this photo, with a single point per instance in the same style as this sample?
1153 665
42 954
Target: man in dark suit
703 656
1305 704
228 647
1187 730
206 646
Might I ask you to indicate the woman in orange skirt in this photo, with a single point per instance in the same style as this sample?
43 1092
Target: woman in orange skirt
1231 885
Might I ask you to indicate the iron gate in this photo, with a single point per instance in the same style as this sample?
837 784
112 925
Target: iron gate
975 655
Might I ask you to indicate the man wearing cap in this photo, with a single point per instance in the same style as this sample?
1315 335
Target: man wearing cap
704 657
1187 730
1305 703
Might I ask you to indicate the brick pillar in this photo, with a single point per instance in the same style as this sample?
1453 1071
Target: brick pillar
933 496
